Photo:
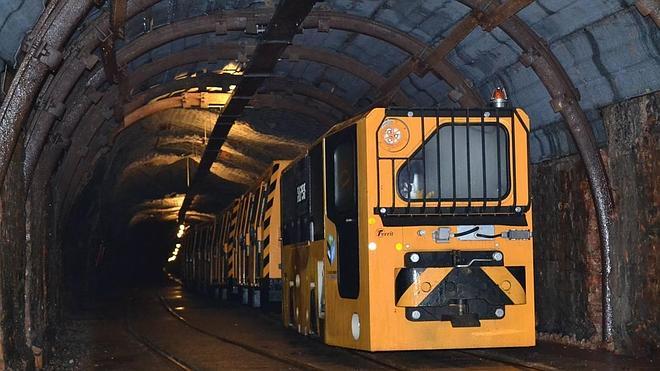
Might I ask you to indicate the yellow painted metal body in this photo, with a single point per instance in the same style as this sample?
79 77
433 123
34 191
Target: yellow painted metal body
270 224
230 244
311 300
249 237
392 295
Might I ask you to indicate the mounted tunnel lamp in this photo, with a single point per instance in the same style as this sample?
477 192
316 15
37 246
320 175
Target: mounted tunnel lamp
181 230
175 253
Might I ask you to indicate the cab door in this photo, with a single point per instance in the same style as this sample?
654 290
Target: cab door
342 208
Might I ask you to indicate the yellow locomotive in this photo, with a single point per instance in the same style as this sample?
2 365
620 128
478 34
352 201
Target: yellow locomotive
408 229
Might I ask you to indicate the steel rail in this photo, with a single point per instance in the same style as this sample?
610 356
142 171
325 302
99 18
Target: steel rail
240 344
149 344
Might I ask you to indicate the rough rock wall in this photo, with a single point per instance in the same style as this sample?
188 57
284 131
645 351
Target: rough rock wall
12 266
30 270
42 274
565 237
567 248
634 171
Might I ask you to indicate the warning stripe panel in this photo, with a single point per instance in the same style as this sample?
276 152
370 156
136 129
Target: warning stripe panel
266 262
413 285
271 187
508 283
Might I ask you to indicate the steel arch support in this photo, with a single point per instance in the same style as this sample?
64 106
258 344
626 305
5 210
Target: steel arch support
88 143
81 57
139 103
565 99
293 52
413 46
54 28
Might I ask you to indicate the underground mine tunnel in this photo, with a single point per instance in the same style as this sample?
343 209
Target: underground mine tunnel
363 184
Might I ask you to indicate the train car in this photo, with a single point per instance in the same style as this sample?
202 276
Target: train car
412 229
197 250
248 258
399 229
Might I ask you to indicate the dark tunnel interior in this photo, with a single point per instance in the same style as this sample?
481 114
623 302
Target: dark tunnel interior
109 140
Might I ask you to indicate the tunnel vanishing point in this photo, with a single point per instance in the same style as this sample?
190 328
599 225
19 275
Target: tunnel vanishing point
122 119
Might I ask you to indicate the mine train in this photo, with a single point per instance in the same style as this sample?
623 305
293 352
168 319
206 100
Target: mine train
399 229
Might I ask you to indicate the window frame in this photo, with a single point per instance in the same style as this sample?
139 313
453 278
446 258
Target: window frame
504 196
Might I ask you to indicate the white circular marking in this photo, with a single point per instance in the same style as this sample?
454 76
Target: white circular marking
415 314
499 312
498 256
414 258
297 280
372 246
486 114
355 326
410 114
383 210
421 233
518 209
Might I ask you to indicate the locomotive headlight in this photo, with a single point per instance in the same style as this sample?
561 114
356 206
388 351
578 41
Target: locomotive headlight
394 134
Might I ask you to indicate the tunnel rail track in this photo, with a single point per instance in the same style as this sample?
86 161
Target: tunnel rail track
165 355
290 361
381 363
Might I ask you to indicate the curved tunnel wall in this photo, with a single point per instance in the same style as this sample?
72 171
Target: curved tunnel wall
70 128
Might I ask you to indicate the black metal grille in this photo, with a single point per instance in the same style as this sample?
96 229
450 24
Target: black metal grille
472 169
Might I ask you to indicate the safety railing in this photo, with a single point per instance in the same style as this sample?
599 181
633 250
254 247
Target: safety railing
469 162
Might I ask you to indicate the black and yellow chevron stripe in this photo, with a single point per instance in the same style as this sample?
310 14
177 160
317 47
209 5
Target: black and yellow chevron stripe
439 286
231 233
270 196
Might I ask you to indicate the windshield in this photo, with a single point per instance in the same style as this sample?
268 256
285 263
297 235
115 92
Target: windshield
458 163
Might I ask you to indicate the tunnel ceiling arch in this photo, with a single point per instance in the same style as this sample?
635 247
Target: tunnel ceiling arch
350 55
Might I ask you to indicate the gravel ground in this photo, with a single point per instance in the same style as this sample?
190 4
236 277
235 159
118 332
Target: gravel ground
70 349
